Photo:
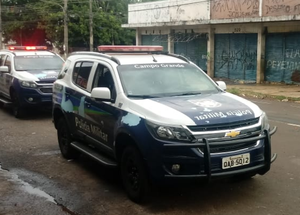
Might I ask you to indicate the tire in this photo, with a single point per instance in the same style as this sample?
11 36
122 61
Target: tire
18 111
65 140
134 175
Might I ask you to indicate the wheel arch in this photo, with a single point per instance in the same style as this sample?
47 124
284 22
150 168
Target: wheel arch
123 140
57 113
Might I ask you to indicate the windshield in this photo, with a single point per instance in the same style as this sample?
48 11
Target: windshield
156 80
38 62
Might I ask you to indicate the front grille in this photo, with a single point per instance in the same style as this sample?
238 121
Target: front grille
46 90
224 126
45 82
229 148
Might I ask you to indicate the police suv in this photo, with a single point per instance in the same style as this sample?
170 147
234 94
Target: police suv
27 74
157 117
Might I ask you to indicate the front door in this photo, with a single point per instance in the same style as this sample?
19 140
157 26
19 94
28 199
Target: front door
7 77
102 115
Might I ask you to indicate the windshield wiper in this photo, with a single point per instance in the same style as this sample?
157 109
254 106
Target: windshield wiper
187 94
142 96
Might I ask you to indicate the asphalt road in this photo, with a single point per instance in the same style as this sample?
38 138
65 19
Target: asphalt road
36 180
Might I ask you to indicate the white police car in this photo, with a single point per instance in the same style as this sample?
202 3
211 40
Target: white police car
156 116
27 74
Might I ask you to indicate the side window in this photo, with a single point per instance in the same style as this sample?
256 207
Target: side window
64 69
81 73
103 78
8 63
2 58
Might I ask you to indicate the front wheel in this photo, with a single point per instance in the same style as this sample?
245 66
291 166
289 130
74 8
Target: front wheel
65 140
18 111
134 174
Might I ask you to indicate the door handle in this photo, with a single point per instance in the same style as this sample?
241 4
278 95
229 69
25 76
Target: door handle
87 104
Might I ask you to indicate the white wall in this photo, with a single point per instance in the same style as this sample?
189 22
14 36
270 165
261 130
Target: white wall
169 11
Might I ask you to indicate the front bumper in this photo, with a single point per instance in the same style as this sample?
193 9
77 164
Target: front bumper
35 98
260 167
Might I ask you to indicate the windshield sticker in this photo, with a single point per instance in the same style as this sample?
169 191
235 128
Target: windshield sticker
206 103
221 114
155 66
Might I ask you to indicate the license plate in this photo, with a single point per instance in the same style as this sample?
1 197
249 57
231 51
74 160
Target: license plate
235 161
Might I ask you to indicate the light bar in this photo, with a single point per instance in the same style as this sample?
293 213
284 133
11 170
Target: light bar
130 48
28 48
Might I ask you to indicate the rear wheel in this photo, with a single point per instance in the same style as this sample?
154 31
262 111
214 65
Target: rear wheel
18 111
65 140
134 174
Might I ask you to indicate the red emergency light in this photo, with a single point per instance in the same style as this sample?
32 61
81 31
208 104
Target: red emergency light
27 48
130 49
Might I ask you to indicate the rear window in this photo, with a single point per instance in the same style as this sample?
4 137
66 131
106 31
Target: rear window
38 62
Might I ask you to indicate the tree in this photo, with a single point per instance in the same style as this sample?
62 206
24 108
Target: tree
38 21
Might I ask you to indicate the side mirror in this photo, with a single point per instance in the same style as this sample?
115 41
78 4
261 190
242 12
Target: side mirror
101 93
222 85
4 69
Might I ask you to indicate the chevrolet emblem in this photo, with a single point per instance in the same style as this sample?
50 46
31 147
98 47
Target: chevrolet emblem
232 134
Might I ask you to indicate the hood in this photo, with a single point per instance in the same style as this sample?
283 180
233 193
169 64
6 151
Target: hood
38 75
197 110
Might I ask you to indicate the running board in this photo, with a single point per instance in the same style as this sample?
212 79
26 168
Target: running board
95 155
5 102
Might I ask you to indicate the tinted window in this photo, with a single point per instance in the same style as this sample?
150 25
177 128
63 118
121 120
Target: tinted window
81 73
64 69
8 62
103 78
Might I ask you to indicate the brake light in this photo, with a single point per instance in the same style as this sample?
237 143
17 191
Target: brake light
27 48
130 48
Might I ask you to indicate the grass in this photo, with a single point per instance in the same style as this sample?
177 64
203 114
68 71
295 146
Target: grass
244 93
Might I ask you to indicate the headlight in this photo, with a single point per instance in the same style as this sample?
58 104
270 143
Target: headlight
169 132
264 122
29 84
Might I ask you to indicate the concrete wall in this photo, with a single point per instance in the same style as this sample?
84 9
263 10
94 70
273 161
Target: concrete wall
280 7
171 11
269 23
225 9
194 12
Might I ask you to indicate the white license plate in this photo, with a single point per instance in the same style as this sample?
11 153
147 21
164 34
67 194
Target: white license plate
235 161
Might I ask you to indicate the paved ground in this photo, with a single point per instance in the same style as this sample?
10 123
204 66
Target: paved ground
36 180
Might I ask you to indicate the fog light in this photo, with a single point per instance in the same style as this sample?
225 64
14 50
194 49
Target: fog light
175 168
30 99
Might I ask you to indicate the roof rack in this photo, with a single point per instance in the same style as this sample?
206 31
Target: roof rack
131 49
179 56
97 54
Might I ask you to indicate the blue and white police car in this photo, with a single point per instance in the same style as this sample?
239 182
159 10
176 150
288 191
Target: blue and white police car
157 117
27 74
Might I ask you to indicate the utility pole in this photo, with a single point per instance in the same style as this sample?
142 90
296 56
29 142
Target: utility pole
0 25
66 36
91 27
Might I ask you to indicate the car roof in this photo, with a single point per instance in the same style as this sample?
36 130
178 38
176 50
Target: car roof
129 59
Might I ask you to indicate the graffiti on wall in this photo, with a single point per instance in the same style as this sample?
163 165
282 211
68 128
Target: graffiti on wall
238 59
281 7
290 62
223 9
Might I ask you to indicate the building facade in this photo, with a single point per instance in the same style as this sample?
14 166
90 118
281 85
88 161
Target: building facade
250 40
